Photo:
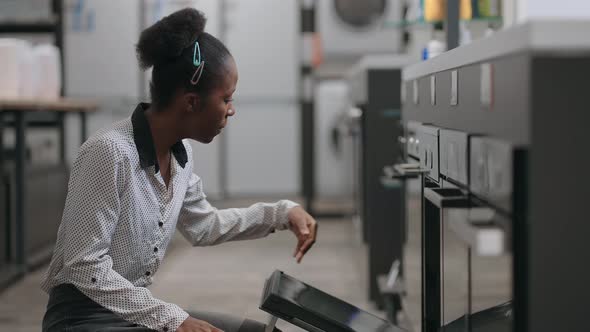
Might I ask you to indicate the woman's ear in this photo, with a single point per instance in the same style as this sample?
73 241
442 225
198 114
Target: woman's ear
193 102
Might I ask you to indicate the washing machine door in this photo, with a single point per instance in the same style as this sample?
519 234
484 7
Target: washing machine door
360 14
352 28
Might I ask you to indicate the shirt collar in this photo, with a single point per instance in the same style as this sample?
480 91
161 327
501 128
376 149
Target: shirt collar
144 141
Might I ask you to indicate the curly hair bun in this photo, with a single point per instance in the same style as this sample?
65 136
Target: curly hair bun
167 38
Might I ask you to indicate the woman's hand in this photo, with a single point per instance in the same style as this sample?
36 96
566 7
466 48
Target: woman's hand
305 229
195 325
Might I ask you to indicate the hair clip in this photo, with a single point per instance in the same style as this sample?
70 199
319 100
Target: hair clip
198 74
198 63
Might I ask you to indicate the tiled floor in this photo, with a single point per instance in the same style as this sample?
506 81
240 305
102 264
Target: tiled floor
227 278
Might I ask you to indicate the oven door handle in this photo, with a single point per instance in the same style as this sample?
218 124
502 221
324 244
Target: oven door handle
477 228
446 198
404 171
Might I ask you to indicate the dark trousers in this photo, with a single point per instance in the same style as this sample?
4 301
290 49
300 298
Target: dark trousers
68 310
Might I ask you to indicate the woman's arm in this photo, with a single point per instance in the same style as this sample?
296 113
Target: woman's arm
202 224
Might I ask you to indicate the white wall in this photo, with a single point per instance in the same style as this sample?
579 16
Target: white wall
574 9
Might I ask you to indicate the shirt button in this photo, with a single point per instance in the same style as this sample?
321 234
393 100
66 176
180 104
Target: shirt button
160 224
148 273
165 329
93 279
155 249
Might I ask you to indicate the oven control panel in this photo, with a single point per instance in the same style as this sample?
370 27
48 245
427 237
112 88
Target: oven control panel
428 150
412 141
491 164
453 155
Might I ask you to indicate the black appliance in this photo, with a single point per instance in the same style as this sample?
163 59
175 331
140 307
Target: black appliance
503 213
375 90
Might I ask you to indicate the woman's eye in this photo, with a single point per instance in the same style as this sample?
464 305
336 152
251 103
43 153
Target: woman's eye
227 101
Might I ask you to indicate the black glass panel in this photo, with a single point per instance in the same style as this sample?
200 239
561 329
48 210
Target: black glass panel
330 307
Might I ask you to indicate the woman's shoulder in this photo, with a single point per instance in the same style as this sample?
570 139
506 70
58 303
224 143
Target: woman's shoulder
116 138
187 146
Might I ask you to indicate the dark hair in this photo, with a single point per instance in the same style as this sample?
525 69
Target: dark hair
168 46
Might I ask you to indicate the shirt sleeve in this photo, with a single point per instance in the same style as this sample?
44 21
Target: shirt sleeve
202 224
90 216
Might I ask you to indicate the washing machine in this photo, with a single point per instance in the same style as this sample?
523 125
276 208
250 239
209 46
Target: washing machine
352 27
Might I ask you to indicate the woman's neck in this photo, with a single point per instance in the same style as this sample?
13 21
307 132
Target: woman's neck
162 129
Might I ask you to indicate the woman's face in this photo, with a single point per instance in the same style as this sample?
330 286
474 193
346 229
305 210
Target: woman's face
208 120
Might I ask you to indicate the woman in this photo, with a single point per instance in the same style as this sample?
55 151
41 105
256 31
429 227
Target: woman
132 184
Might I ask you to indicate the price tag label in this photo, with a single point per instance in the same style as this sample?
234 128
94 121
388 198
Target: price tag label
403 92
416 96
454 88
433 90
486 85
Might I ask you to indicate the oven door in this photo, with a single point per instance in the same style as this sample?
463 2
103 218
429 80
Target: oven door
410 274
445 274
414 176
4 226
483 234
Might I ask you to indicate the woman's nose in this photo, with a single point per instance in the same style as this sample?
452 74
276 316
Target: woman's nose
231 112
